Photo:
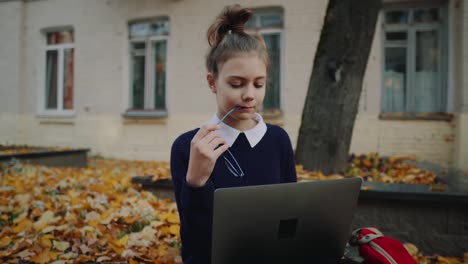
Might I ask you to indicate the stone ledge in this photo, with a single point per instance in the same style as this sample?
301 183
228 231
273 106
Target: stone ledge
436 222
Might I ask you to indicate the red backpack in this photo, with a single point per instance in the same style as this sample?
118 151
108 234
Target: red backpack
376 248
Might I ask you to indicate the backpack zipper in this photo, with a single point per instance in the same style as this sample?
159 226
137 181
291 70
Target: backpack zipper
382 252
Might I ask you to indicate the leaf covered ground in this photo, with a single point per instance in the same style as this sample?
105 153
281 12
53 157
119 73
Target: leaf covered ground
63 215
94 214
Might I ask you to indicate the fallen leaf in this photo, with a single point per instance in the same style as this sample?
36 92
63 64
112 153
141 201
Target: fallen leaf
128 253
59 262
61 245
25 254
45 256
103 258
142 239
5 241
46 219
45 241
69 255
123 241
84 249
175 230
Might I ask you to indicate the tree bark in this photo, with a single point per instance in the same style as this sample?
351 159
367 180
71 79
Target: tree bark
335 84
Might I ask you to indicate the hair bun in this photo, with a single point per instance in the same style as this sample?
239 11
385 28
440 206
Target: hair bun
232 18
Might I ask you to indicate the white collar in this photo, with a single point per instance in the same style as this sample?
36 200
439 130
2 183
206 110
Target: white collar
230 134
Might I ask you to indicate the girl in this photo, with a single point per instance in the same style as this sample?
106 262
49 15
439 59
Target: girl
236 147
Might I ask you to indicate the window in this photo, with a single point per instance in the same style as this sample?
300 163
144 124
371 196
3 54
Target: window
415 60
269 24
148 55
59 72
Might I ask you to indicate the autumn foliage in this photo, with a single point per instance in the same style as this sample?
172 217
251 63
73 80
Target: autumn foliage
96 214
63 215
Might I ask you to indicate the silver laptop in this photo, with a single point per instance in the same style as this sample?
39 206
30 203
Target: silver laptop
307 222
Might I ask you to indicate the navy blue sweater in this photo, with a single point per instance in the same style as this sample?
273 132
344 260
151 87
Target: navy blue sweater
270 161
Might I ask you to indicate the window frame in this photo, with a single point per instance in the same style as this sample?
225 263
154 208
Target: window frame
281 60
60 48
148 110
443 29
258 13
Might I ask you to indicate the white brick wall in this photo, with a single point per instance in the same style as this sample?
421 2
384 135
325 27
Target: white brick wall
101 79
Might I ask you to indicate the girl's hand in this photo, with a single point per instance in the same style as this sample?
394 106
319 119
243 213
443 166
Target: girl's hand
203 154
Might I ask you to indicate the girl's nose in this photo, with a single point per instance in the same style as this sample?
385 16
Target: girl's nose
248 94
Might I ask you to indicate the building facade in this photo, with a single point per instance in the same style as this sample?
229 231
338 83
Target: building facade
125 78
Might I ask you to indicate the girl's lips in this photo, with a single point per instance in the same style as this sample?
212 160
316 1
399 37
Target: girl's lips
246 109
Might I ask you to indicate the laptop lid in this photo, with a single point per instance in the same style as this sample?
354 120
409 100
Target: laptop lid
283 223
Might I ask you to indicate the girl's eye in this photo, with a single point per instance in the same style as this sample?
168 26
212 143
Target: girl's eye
236 85
259 85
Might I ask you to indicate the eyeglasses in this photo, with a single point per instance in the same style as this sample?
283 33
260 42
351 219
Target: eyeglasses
235 170
232 165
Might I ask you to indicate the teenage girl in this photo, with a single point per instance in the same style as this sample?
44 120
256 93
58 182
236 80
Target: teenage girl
236 147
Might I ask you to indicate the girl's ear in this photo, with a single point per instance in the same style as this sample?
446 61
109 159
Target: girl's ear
211 82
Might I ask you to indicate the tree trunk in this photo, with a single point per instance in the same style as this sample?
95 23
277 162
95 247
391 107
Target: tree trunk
335 84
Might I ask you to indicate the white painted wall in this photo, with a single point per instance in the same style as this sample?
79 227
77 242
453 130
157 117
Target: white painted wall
461 151
102 90
10 67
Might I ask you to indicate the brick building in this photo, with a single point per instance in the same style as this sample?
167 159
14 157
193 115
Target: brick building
125 78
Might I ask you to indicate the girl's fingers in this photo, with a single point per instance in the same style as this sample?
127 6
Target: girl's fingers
219 151
204 130
216 142
208 142
209 137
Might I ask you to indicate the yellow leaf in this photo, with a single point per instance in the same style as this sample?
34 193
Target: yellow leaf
44 257
131 219
21 217
61 245
117 249
49 206
84 258
46 218
75 200
69 255
164 230
173 218
162 249
93 223
125 182
5 241
175 230
443 260
25 225
107 217
132 261
123 241
45 241
48 229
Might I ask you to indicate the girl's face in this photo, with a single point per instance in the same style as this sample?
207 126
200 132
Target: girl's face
241 82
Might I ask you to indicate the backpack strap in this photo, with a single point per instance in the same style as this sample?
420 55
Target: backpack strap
375 230
366 238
